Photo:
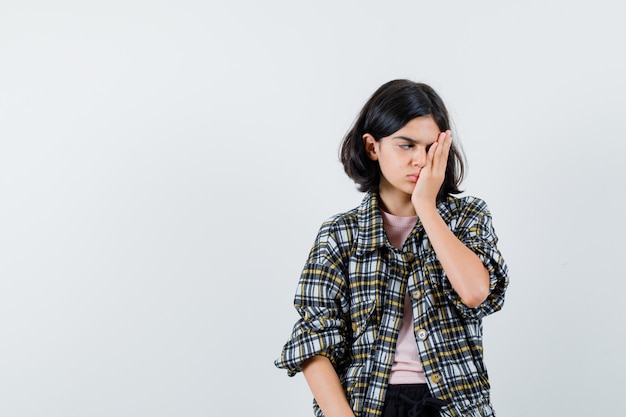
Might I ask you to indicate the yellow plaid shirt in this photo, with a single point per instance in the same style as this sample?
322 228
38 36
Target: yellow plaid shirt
350 297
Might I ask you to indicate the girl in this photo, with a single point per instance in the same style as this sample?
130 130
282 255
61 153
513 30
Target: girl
393 292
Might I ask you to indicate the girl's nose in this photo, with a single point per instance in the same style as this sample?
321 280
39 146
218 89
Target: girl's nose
419 157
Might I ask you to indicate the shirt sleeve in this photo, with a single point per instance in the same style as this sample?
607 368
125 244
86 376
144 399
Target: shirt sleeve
321 303
474 228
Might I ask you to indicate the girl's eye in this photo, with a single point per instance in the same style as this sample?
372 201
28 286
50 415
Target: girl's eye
407 146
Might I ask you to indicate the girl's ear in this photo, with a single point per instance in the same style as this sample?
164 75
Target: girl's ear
371 146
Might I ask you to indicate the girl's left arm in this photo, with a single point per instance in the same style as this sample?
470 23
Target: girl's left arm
466 272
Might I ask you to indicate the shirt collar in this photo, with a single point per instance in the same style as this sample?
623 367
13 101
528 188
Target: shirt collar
372 234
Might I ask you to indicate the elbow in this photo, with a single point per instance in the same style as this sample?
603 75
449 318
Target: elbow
477 295
476 299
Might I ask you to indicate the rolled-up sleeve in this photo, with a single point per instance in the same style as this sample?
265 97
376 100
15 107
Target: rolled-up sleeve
322 305
475 229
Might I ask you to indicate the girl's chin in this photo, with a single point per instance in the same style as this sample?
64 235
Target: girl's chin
406 188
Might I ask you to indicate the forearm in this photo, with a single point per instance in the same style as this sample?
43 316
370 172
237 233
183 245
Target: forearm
464 269
324 383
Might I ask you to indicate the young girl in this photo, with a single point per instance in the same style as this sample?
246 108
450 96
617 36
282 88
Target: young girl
393 293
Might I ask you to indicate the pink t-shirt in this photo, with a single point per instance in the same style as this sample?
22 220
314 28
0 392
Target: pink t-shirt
407 367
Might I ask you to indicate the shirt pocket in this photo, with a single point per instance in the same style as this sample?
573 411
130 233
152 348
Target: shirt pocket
431 281
361 318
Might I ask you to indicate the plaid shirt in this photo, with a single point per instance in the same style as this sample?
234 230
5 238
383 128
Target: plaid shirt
351 297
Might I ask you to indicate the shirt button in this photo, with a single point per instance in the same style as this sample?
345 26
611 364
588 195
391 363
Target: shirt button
410 256
421 334
436 377
417 294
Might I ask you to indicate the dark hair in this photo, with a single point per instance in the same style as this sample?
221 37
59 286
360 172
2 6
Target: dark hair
391 107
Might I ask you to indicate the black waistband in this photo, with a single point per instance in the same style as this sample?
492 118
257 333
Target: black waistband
416 396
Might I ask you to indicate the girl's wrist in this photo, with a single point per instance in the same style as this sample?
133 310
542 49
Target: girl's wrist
423 208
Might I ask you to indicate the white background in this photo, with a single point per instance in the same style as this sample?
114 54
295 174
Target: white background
165 165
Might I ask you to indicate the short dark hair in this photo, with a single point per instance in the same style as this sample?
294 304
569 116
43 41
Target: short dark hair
391 107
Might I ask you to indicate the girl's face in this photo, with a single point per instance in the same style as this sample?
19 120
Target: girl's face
402 155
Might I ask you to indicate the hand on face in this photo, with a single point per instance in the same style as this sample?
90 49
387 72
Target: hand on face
433 173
